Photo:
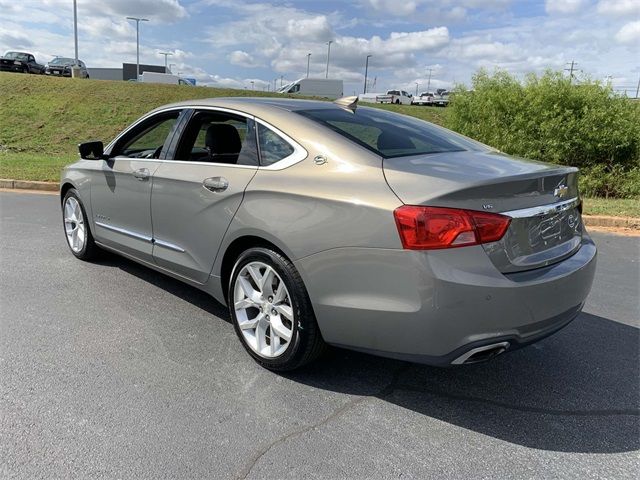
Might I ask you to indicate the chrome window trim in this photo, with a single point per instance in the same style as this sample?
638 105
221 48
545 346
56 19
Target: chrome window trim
299 152
126 232
544 209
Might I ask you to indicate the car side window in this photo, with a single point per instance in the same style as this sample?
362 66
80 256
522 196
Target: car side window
218 137
273 147
147 140
31 58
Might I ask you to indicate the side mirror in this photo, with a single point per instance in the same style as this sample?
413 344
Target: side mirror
91 150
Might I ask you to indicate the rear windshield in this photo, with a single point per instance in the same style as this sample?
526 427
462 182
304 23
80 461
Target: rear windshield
390 134
15 56
62 61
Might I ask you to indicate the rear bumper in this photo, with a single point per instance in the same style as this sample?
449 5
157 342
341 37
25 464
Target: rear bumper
432 307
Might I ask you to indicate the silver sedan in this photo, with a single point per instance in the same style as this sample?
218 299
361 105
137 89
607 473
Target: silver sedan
327 223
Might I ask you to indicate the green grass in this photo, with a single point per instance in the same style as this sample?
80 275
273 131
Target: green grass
33 166
50 116
614 207
42 120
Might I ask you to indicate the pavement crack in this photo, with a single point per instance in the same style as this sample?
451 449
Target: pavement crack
522 408
384 392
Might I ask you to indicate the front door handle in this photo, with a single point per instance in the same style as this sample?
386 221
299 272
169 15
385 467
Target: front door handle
216 184
141 174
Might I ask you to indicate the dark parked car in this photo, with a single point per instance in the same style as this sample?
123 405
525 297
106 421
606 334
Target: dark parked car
61 66
20 62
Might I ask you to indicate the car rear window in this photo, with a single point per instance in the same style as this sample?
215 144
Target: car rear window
390 134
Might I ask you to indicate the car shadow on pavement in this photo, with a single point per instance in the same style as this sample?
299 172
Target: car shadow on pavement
577 391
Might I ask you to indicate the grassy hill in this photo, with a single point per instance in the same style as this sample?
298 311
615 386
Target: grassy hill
42 119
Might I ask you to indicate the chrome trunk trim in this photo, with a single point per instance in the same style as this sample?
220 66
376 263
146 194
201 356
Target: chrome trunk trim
543 209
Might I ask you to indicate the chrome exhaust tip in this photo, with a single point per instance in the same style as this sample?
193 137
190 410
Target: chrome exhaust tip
481 354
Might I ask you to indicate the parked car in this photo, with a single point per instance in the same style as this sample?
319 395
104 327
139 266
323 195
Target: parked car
61 66
425 98
168 78
22 62
321 222
315 87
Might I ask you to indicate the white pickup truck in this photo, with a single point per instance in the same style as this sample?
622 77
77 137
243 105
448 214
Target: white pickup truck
425 98
438 99
392 96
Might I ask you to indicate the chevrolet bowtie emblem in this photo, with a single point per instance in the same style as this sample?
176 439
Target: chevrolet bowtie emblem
561 191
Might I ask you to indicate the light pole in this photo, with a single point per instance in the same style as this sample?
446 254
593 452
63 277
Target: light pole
138 20
281 78
75 27
252 82
366 72
328 55
308 60
429 80
166 54
417 84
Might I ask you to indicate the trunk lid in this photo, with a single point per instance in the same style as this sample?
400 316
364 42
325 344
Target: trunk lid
541 198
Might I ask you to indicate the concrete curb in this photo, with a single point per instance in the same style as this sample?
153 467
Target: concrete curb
614 222
29 185
589 220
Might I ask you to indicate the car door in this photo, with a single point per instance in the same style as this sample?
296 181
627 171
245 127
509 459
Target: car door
196 195
121 185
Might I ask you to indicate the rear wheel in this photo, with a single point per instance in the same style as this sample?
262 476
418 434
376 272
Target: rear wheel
271 311
76 228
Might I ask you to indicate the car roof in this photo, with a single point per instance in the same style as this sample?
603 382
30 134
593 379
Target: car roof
255 105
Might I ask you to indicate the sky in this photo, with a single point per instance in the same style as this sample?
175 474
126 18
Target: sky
234 43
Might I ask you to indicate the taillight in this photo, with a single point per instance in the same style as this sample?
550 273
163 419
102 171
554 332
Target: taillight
426 228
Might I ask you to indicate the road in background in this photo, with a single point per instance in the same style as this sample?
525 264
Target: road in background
113 370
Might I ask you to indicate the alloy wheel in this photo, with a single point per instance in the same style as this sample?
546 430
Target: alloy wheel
74 225
263 309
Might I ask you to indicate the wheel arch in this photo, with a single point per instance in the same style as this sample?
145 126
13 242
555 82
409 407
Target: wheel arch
64 188
233 251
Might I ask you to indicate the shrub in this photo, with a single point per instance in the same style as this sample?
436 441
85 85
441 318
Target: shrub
549 119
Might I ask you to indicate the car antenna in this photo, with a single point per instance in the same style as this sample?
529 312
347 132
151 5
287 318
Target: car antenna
350 103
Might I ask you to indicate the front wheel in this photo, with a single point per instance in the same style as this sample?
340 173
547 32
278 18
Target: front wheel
76 228
271 311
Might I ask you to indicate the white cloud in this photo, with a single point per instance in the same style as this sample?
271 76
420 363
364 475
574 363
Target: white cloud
564 6
309 29
242 59
629 33
619 8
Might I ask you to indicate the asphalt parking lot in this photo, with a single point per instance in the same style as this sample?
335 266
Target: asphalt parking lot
112 370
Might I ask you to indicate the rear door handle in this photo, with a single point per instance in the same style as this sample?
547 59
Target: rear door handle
141 174
216 184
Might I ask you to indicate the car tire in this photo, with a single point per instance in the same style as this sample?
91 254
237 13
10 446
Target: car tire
76 227
397 102
304 341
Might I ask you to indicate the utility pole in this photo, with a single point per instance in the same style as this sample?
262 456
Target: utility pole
417 84
166 54
138 20
366 72
308 60
570 69
75 27
429 79
328 55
